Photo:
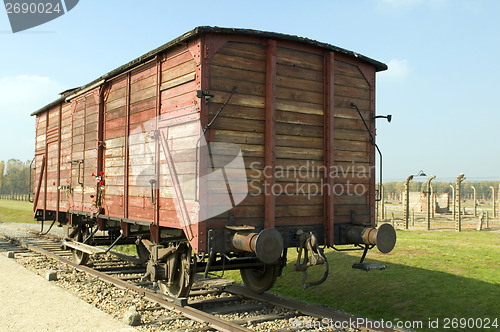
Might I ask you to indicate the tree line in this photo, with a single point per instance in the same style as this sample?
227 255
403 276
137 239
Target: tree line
15 177
483 189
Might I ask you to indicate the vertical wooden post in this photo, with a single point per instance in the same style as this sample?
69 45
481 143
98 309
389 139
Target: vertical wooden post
207 46
270 134
127 147
328 150
58 183
100 145
156 217
47 166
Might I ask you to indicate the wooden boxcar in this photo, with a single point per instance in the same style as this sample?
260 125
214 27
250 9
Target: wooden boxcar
139 153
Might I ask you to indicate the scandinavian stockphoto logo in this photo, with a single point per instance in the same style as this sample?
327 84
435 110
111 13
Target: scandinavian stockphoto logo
26 14
166 156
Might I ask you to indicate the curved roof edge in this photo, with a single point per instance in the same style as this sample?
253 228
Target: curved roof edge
379 66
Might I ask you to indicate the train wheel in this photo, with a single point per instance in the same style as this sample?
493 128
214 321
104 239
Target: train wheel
180 273
259 280
142 252
80 257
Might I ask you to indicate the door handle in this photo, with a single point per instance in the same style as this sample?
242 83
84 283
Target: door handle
152 182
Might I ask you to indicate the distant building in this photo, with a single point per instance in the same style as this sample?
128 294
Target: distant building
443 203
418 202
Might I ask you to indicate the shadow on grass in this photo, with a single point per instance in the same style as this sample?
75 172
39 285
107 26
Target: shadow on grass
399 292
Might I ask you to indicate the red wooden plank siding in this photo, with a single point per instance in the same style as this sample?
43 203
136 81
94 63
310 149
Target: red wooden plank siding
141 151
243 120
270 134
52 155
66 144
300 135
369 74
114 155
83 147
352 146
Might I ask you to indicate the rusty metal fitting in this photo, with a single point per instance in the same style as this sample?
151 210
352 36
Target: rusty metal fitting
369 235
266 245
245 241
383 237
312 255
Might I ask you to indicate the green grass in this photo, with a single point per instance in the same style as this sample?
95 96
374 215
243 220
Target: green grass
128 249
434 274
16 211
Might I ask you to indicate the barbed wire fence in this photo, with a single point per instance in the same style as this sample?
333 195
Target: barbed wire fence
463 211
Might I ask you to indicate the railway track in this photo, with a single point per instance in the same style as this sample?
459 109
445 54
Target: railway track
213 304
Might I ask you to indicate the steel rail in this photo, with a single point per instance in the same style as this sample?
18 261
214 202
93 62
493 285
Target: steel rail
186 311
304 308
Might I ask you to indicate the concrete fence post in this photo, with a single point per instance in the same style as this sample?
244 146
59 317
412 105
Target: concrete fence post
429 201
475 200
458 220
453 200
493 201
480 224
382 202
406 202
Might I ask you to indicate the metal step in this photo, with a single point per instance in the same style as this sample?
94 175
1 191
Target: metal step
91 250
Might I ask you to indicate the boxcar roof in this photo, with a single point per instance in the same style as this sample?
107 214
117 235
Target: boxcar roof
379 66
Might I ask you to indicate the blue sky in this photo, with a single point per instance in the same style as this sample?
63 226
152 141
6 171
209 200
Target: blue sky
442 85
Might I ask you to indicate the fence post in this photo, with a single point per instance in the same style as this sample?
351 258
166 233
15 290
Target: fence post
383 199
429 201
475 200
480 224
487 219
406 203
493 201
434 205
453 199
458 220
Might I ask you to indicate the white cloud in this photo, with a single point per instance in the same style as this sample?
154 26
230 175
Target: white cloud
398 70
